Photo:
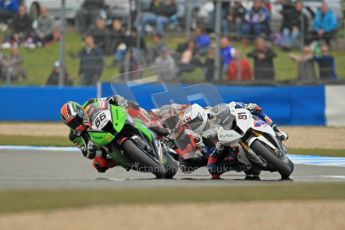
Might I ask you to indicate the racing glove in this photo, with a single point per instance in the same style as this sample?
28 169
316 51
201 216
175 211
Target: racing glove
118 100
253 107
91 150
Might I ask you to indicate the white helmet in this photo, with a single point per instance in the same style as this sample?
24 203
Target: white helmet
196 117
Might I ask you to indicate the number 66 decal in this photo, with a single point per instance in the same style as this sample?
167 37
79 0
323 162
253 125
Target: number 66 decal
99 119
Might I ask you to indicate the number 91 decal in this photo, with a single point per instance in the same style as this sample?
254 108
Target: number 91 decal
242 116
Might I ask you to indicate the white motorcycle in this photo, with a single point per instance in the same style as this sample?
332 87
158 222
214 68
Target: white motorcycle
255 143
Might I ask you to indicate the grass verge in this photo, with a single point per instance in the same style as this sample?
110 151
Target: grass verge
318 152
38 62
19 201
35 140
64 142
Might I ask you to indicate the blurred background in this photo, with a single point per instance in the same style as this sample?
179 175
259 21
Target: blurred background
55 51
226 41
286 56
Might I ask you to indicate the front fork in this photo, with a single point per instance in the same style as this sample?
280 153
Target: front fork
254 135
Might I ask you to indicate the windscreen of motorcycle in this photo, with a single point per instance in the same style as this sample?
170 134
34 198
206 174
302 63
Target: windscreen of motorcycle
222 116
99 115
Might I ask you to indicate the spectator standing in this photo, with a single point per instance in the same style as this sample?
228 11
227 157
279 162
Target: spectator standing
117 36
158 16
239 69
154 51
225 5
91 62
326 64
187 62
13 66
45 28
263 60
21 26
132 44
226 52
165 65
8 8
227 20
54 76
305 64
132 40
129 68
149 14
100 35
88 13
286 27
295 21
208 65
255 20
205 12
202 40
238 13
325 24
2 74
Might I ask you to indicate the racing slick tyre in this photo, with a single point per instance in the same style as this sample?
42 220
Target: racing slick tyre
147 163
283 166
171 167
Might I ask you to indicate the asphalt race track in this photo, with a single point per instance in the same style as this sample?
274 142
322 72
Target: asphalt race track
46 169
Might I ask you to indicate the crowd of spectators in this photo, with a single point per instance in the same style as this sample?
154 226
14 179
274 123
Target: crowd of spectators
301 29
23 31
11 66
103 37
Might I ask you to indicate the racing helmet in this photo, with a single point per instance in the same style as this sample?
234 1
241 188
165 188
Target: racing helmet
196 118
74 115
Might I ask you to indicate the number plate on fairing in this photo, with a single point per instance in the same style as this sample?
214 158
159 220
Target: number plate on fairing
101 120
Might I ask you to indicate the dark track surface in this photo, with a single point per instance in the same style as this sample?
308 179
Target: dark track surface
23 169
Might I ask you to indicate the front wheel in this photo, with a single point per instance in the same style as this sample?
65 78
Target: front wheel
171 166
146 163
283 166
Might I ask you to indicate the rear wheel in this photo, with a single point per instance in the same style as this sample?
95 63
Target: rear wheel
283 166
146 163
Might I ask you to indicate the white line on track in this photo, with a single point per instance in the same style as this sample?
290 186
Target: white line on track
335 177
317 160
297 159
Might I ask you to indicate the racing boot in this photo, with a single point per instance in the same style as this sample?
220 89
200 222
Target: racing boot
215 176
213 165
102 165
282 135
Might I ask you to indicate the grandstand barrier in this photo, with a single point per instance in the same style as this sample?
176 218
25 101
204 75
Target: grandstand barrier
287 105
335 105
39 103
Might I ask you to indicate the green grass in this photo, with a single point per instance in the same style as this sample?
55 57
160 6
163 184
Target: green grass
38 62
35 140
19 201
319 152
63 141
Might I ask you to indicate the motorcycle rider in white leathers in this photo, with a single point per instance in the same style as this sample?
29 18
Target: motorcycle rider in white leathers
205 122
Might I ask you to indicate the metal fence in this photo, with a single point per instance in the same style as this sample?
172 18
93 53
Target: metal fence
298 66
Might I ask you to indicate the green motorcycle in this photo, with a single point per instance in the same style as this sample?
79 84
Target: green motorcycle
129 142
